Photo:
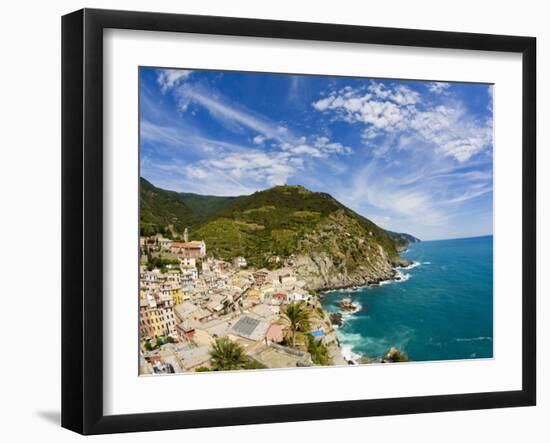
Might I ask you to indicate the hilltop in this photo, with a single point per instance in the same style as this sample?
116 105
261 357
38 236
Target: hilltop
328 244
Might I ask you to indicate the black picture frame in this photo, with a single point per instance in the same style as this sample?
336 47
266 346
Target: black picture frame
82 218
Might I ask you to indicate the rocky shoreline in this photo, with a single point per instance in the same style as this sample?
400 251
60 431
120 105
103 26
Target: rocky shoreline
338 268
366 282
336 319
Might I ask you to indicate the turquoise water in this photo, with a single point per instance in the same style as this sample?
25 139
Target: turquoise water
441 310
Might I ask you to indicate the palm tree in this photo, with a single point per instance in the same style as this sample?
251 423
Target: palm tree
227 355
297 316
318 350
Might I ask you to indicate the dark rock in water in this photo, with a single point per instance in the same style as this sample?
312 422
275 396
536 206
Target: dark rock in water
336 318
402 262
347 305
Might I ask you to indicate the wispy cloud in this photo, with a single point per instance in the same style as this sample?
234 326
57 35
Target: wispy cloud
289 150
168 78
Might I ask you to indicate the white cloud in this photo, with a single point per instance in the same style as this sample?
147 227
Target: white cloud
404 96
324 144
168 78
196 172
386 110
304 149
257 166
380 107
374 184
452 132
438 87
259 139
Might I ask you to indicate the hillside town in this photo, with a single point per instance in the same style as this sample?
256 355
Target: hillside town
199 313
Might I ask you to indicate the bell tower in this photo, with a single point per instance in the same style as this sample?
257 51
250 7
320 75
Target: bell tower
185 236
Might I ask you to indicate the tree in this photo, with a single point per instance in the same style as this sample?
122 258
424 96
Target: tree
297 315
227 355
319 352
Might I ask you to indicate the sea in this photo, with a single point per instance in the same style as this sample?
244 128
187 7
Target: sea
441 308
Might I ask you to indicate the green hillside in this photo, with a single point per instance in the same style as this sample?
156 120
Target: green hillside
163 211
205 206
277 222
280 221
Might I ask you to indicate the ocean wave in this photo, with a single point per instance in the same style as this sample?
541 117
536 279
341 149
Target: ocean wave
350 315
347 342
349 355
400 277
350 338
351 289
426 262
474 339
403 277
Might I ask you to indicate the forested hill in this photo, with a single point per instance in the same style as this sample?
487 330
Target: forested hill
276 222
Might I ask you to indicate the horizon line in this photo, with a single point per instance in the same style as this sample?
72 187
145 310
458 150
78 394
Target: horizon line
460 238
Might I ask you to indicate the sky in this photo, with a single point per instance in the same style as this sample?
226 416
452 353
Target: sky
412 156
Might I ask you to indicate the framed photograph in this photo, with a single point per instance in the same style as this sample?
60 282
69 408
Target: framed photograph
269 221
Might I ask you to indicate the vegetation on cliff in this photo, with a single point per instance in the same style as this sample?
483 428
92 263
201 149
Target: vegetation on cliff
163 211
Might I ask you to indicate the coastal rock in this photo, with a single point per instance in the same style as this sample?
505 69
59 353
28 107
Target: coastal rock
347 304
321 273
336 318
340 254
402 262
394 355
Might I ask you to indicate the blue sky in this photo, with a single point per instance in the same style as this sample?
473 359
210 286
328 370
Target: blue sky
413 156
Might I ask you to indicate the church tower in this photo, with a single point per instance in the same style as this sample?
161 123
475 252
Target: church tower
185 236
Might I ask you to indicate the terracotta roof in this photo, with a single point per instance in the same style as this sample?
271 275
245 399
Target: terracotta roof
189 244
275 333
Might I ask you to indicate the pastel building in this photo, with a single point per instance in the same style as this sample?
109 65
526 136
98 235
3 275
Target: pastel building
156 315
192 249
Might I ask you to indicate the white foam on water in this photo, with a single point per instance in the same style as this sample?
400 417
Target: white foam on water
347 341
411 266
474 339
349 355
401 277
426 262
350 315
